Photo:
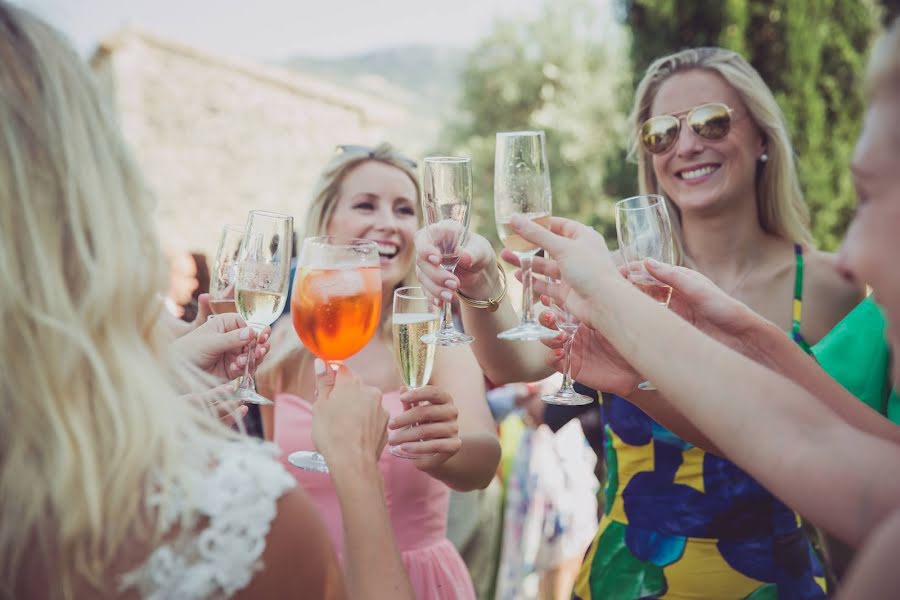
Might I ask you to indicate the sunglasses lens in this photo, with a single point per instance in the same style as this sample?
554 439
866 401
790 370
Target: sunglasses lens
659 133
710 121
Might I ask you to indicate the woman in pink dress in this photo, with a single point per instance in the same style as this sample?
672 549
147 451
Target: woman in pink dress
373 194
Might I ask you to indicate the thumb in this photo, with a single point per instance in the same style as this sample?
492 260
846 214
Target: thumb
203 309
233 340
325 379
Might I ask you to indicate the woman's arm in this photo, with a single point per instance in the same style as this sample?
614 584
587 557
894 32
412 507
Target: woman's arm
474 464
768 425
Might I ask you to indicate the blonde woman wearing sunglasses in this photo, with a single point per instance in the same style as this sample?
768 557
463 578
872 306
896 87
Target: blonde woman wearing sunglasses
710 138
778 415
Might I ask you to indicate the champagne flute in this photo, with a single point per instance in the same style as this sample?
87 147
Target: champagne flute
263 275
568 324
335 307
224 275
446 197
412 319
645 231
522 187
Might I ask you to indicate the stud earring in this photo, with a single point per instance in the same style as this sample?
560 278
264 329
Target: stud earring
764 157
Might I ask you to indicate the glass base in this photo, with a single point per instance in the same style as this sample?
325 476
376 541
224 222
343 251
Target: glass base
248 396
308 461
528 332
646 386
567 398
400 453
449 337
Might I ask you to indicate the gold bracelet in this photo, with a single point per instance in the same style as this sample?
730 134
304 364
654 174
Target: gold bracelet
491 304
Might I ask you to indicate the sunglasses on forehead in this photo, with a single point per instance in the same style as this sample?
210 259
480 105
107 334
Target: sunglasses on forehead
710 121
370 152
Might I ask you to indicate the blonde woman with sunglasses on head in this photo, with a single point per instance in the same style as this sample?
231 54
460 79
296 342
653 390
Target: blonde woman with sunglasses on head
710 138
373 194
112 485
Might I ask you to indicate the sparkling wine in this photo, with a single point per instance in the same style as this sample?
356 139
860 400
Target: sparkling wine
414 357
260 308
336 311
220 307
516 243
660 292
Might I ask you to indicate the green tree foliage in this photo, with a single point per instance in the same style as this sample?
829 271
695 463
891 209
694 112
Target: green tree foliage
562 72
811 53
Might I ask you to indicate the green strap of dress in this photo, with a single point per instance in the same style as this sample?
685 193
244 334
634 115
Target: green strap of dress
797 315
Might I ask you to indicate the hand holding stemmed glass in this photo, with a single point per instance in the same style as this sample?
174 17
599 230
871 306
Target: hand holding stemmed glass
335 307
522 187
568 323
645 232
263 275
446 199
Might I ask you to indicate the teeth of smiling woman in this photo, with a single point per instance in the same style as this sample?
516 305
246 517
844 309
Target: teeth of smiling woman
694 174
388 250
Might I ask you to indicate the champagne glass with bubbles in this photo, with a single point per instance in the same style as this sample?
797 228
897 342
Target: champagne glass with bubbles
413 318
224 275
263 274
522 187
645 231
446 198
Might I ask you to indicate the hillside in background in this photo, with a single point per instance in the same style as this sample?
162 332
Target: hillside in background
425 78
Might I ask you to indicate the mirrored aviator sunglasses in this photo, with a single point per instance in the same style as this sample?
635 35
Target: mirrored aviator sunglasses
709 121
370 152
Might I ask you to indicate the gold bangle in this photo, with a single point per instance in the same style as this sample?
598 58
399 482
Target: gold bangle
491 304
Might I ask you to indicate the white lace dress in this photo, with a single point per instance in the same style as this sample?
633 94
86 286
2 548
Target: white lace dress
236 493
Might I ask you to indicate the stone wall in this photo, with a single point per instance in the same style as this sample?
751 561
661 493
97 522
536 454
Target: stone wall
217 137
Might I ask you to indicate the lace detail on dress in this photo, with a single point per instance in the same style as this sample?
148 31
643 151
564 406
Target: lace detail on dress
238 497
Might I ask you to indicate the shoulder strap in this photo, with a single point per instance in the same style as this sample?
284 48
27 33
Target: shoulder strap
797 315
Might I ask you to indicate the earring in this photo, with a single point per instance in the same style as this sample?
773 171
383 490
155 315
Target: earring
764 157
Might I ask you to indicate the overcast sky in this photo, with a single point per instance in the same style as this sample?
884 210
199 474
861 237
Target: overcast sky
277 29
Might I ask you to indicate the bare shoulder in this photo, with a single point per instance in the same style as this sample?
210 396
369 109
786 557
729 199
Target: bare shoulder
827 297
298 560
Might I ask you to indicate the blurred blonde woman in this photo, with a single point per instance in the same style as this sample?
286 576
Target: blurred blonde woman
373 193
710 138
111 486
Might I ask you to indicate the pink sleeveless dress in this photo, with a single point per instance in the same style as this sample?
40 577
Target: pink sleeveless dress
417 505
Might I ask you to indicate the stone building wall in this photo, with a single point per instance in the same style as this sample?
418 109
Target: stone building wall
217 137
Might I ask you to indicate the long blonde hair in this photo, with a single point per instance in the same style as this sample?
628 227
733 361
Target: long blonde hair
780 206
90 416
289 357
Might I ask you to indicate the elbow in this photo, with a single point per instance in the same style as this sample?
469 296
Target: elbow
482 467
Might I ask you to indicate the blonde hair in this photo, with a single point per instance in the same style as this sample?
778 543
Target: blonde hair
883 70
780 206
288 355
90 416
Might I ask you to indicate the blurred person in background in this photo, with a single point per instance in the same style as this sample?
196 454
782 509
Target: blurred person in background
373 193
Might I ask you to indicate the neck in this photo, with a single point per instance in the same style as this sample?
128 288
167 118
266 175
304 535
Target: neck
726 245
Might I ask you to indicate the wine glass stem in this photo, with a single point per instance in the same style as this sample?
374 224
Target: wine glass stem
247 382
567 362
527 300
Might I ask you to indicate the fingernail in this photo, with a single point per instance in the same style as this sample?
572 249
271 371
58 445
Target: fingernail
436 302
262 351
450 284
319 366
447 296
654 263
241 361
245 333
435 260
516 221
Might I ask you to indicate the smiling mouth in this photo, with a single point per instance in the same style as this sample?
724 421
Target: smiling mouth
697 172
387 251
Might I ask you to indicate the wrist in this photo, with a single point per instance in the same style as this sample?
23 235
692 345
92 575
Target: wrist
354 472
484 284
